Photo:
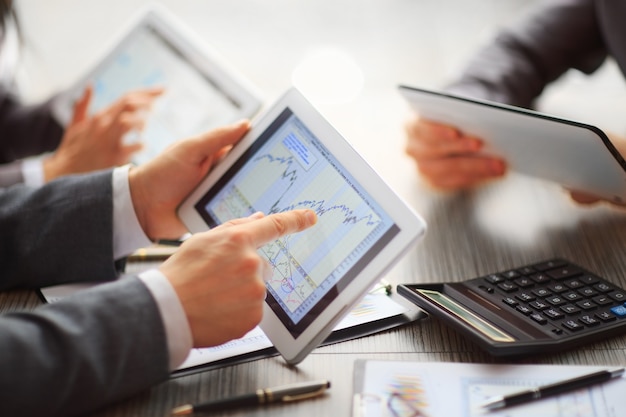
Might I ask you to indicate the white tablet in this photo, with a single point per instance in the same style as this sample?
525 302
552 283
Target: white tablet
576 155
293 158
202 92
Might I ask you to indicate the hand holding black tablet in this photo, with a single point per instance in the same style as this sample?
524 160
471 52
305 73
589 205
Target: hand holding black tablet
292 158
575 155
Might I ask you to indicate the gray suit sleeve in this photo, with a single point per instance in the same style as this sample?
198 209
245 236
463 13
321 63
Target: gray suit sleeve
82 353
58 233
517 65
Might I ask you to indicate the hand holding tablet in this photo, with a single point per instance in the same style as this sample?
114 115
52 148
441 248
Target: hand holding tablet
292 159
217 275
201 91
575 155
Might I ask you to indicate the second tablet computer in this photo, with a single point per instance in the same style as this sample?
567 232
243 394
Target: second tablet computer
576 155
202 91
292 158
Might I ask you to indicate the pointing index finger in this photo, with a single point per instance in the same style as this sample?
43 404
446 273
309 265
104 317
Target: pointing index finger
272 227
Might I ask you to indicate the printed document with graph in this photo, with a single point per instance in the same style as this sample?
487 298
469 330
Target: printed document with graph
444 389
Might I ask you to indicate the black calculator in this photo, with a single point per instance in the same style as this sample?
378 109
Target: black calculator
548 306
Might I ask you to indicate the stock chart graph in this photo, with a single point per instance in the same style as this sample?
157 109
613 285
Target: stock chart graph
293 171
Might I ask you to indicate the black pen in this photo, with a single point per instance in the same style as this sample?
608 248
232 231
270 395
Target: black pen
169 242
552 389
285 393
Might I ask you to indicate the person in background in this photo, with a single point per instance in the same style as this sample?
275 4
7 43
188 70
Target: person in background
86 144
514 69
118 338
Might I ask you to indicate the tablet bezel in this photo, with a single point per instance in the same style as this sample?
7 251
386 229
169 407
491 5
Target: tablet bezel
576 155
411 226
187 44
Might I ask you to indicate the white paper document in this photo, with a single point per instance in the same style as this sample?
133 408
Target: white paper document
443 389
373 307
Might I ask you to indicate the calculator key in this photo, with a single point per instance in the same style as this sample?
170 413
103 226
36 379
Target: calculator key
539 305
510 301
507 287
565 272
574 283
618 296
589 320
602 287
572 296
602 300
524 282
587 292
588 279
541 292
619 311
570 309
557 287
512 274
494 279
541 278
556 300
525 297
572 325
538 318
527 270
553 314
524 310
586 304
555 263
605 315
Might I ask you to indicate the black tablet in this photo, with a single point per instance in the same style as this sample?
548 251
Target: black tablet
575 155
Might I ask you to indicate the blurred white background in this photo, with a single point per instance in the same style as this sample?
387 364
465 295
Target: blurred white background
348 55
392 40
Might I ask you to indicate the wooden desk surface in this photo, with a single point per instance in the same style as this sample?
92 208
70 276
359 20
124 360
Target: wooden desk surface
511 223
515 222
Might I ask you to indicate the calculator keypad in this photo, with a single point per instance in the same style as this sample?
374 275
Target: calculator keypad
555 292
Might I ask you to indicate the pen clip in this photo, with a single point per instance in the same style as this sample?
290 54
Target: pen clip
306 395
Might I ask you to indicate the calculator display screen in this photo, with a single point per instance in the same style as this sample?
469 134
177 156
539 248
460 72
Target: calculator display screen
467 316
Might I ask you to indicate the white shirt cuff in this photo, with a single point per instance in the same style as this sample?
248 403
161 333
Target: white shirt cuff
127 232
177 330
32 171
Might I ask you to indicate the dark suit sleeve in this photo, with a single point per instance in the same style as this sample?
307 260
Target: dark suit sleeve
11 174
58 233
517 65
26 130
83 352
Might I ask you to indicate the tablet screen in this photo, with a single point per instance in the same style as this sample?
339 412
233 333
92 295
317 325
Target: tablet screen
287 168
192 102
